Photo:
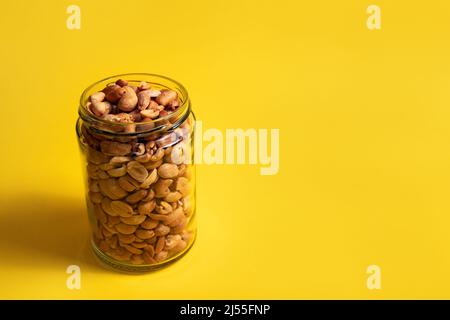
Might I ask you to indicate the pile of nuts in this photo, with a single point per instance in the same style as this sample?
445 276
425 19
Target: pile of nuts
139 194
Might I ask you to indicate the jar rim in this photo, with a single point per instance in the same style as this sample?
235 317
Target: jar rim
184 107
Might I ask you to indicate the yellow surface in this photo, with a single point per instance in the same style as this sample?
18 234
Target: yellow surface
364 138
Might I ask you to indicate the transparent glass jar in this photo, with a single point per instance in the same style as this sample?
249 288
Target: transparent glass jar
140 200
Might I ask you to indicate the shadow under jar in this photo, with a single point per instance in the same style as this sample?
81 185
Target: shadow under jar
139 175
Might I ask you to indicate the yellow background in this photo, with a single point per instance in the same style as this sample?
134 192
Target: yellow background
364 145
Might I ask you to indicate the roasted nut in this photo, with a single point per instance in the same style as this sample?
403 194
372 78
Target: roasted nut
159 217
161 256
144 234
122 82
173 196
121 208
106 166
136 196
138 150
152 112
153 164
160 244
182 185
126 238
102 174
161 187
113 220
162 230
113 148
180 246
168 171
100 214
133 249
154 93
143 99
149 224
174 218
137 171
110 188
172 241
151 178
150 195
139 245
95 197
148 259
143 158
166 97
106 206
146 208
119 160
143 86
127 183
129 99
163 208
120 254
97 97
118 172
100 109
96 157
113 93
93 186
125 228
133 220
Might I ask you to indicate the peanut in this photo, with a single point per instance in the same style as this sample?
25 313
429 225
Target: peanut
95 197
163 208
126 238
133 249
148 258
119 160
139 245
121 209
161 256
162 230
127 183
100 109
144 234
133 220
172 241
182 185
136 196
161 187
151 178
137 171
118 172
111 189
168 171
146 208
125 229
166 97
143 99
173 196
149 224
113 148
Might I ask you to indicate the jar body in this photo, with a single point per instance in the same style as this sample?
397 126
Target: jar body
140 192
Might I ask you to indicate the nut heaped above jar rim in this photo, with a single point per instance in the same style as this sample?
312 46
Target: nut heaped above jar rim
171 120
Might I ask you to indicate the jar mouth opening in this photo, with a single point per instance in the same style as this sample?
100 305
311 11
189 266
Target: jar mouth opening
162 82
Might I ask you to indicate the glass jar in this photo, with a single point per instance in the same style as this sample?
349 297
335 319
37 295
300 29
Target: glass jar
140 181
